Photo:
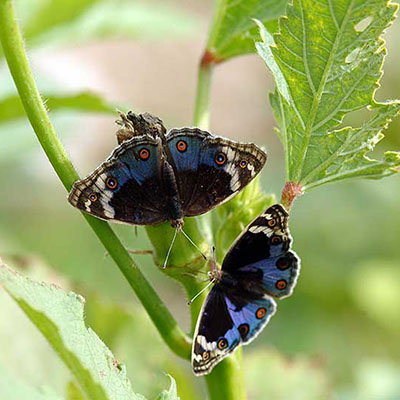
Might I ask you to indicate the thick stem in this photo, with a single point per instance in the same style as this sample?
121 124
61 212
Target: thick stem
226 382
14 52
202 106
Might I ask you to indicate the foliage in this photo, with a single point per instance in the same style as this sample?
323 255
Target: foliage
327 60
60 318
233 32
11 107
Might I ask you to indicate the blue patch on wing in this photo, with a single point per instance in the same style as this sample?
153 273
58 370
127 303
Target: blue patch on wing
279 274
249 320
130 165
187 160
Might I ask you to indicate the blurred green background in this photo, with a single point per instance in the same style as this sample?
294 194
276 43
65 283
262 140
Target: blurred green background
336 337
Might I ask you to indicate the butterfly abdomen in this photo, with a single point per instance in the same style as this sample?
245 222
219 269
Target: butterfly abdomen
173 201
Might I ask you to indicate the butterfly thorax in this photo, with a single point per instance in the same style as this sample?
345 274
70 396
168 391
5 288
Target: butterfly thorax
239 287
223 279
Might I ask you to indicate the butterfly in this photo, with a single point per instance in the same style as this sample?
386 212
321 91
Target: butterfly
258 267
154 176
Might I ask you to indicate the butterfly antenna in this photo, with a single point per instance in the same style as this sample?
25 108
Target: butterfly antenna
201 291
193 243
170 248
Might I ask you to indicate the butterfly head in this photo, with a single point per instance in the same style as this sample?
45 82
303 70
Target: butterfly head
215 275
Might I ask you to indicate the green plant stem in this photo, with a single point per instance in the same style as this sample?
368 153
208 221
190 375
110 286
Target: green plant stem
12 43
202 106
226 382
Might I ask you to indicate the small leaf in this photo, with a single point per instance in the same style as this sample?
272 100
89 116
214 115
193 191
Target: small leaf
233 31
11 106
170 394
60 318
327 62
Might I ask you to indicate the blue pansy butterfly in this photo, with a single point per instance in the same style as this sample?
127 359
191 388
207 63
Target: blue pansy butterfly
154 176
258 267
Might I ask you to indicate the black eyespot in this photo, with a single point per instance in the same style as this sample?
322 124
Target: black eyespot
276 240
93 197
220 159
272 222
206 355
281 284
243 164
222 344
282 263
111 182
181 146
144 154
243 330
260 313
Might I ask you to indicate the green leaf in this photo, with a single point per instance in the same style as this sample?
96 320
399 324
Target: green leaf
94 19
12 389
327 62
53 13
60 318
11 106
170 394
233 31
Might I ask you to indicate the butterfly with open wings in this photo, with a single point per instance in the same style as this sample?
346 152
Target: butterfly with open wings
259 267
154 176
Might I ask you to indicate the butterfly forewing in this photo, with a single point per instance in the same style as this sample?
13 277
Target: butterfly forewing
211 169
127 187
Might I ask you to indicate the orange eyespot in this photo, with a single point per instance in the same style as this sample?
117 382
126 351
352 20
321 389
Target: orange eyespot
144 154
243 330
222 344
181 146
206 355
276 240
281 284
282 263
271 223
111 182
93 197
220 159
260 313
243 164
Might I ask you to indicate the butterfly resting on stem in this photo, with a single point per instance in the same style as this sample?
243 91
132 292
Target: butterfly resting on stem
155 176
259 266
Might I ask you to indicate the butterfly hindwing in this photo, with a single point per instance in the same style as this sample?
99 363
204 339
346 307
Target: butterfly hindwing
119 188
222 326
211 169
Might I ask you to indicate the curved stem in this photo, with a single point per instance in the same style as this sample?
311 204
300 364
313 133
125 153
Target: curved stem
14 52
226 382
